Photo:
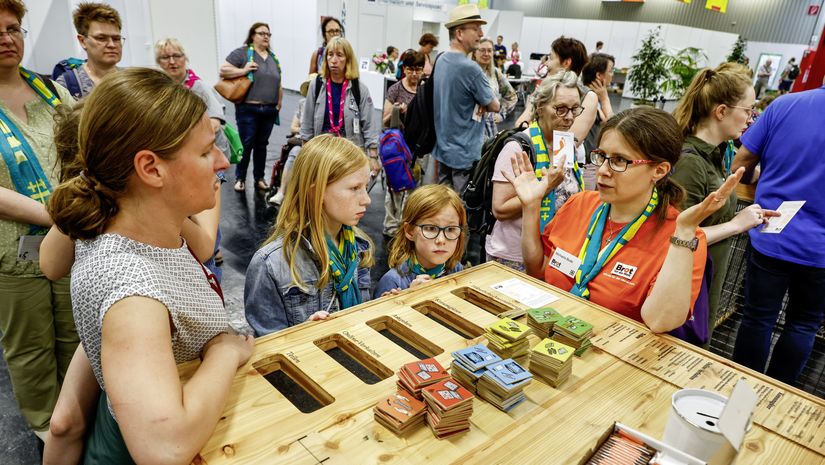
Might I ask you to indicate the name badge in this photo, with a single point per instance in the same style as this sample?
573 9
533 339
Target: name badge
565 262
623 270
356 126
28 250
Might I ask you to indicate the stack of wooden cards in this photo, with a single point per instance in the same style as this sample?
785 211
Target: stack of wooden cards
503 384
450 407
508 339
417 375
552 361
573 332
541 320
469 364
400 412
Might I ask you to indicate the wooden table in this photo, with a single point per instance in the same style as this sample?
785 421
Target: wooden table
629 376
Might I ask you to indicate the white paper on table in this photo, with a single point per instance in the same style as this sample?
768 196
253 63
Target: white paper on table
524 293
564 147
777 223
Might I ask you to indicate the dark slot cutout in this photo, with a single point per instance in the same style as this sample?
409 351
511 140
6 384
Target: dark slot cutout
408 339
304 393
449 320
354 359
482 301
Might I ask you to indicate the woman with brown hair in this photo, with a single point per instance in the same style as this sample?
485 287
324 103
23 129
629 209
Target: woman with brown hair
717 107
142 301
427 42
625 247
260 109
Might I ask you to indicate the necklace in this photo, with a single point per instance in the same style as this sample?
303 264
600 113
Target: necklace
610 232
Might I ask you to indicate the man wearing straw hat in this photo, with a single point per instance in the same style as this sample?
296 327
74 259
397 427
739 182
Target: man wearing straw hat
461 96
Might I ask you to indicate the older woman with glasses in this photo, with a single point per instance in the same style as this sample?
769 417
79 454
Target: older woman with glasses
330 29
716 108
98 29
501 87
258 112
556 104
625 247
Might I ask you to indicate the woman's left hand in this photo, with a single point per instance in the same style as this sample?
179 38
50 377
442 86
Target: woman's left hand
693 216
375 165
753 216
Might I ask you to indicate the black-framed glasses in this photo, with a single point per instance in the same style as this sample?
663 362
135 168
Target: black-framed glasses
431 231
264 34
617 164
335 32
15 33
562 111
104 39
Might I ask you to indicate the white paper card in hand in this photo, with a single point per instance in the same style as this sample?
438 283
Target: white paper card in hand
788 209
477 113
733 422
564 147
522 292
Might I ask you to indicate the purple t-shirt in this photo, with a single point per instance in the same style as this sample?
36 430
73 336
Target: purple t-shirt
788 139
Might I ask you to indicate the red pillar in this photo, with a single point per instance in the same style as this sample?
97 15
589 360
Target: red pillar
812 67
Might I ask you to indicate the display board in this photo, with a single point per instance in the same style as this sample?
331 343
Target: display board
629 375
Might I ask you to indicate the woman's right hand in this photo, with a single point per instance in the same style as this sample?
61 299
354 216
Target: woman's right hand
241 345
250 66
529 189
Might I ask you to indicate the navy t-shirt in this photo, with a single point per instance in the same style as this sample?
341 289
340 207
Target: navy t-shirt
336 105
788 139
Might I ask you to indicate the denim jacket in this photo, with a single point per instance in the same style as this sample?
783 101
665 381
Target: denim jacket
312 120
273 301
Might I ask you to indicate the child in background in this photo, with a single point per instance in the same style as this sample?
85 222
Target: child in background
316 261
429 243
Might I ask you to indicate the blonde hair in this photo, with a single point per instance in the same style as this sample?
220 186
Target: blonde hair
736 68
424 202
323 160
342 44
132 110
168 42
546 91
709 89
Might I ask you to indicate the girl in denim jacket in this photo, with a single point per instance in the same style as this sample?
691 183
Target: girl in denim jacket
316 260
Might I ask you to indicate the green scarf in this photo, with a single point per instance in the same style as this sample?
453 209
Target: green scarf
343 264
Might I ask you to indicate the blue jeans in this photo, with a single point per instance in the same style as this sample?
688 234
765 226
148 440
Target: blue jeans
766 281
255 123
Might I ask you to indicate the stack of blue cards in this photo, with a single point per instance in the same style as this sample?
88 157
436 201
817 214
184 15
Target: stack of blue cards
470 363
503 384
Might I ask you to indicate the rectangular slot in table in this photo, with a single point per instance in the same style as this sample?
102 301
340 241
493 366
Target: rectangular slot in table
295 385
356 360
405 337
449 320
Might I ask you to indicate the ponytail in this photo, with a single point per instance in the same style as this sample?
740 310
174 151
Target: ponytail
82 208
709 89
670 193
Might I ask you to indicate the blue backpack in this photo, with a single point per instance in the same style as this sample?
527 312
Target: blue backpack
65 68
397 161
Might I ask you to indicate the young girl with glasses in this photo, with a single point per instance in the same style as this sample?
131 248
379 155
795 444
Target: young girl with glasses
316 261
430 242
625 247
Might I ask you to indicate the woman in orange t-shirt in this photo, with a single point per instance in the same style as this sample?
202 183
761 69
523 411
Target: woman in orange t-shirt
625 247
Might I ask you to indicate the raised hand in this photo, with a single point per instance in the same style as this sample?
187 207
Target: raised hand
693 216
530 189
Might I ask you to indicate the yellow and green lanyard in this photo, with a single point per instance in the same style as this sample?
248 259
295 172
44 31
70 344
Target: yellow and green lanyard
543 160
593 260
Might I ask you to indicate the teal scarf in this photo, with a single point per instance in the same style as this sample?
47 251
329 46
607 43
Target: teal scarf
250 57
592 259
24 167
343 264
543 160
417 269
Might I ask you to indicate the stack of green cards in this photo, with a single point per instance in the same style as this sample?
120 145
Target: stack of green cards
573 332
508 339
470 363
552 361
541 320
503 384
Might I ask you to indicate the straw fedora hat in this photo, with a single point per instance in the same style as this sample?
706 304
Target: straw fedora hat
463 14
305 85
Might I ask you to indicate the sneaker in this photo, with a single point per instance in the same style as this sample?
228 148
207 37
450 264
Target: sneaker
240 186
277 199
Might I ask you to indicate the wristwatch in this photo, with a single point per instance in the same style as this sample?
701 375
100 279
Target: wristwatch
692 244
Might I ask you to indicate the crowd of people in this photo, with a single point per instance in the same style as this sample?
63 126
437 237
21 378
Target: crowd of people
110 213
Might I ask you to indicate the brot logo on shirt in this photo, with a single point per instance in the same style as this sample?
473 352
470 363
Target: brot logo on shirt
624 271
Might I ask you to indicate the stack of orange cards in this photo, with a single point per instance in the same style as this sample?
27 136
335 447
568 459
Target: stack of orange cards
400 412
450 407
417 375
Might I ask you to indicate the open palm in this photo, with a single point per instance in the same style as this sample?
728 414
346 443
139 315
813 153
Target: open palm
717 199
528 187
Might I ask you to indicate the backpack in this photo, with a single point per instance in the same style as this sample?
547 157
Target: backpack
66 69
793 73
397 160
354 85
478 195
419 124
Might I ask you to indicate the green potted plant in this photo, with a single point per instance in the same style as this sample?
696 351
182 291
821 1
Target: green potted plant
648 70
682 66
737 54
